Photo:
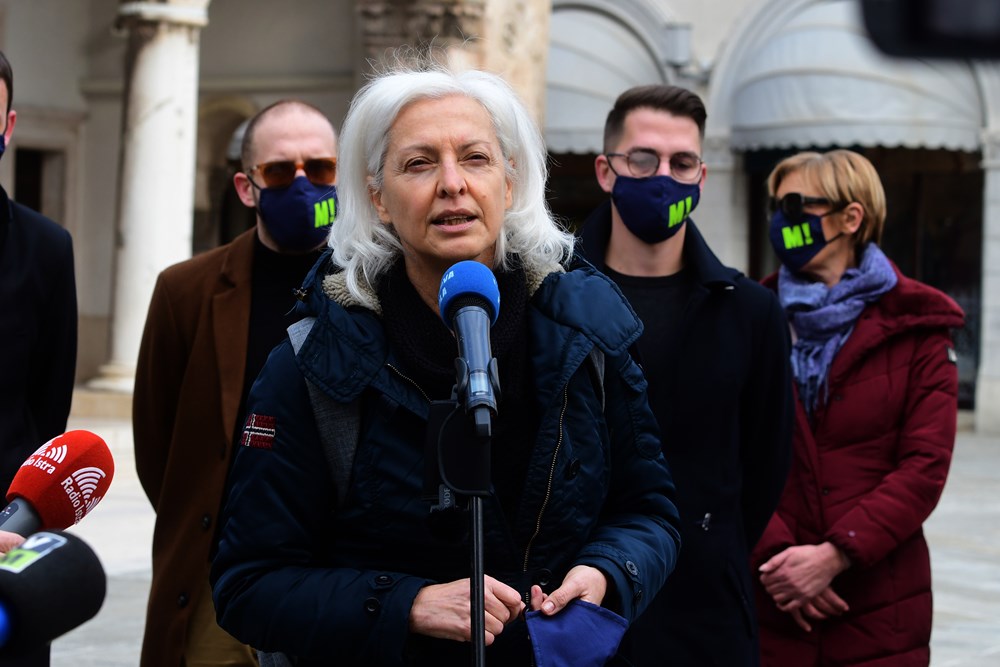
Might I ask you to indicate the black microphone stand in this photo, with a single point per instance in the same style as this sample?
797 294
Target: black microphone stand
478 577
461 450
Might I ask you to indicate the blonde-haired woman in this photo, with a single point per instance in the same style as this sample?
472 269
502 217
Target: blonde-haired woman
844 570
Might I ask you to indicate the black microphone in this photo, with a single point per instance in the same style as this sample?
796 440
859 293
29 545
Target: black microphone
469 303
50 584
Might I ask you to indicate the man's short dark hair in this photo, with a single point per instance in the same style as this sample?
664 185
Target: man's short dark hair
674 100
246 146
7 76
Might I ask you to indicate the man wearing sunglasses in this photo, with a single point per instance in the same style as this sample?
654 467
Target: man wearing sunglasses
714 349
212 322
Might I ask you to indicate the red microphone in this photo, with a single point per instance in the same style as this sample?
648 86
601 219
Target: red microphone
59 484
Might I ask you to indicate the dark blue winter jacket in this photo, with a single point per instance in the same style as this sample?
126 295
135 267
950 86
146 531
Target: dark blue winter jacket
333 584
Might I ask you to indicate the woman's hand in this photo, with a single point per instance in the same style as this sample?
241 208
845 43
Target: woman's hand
821 607
9 541
800 573
582 582
445 610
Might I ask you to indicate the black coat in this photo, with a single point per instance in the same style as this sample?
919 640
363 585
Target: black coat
727 439
334 582
37 333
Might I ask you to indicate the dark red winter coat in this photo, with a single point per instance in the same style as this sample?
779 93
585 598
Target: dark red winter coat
865 477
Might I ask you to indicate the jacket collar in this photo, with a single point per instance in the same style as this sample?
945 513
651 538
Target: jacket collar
908 306
231 318
708 270
347 349
324 282
6 216
238 259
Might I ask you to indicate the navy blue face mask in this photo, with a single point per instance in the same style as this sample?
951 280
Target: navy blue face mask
795 243
298 217
654 208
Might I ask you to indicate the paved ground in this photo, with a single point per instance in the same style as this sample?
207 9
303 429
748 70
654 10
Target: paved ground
964 534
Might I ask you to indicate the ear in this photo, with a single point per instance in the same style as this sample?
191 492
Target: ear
244 189
376 197
852 218
509 195
11 121
605 177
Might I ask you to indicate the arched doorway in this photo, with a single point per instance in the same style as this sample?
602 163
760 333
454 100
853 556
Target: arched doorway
219 216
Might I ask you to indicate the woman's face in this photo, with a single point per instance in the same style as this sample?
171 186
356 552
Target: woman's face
839 248
445 188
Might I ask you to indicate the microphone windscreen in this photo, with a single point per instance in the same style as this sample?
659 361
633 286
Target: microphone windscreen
49 585
65 478
465 279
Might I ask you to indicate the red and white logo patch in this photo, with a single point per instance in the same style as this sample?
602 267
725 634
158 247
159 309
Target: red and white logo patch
259 431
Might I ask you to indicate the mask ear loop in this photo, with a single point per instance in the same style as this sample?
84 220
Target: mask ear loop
838 209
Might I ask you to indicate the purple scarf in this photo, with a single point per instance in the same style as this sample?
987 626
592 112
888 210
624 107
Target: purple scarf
823 318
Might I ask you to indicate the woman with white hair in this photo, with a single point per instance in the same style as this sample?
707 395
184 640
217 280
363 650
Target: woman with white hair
436 168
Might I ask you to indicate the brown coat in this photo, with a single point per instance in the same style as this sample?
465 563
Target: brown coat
188 382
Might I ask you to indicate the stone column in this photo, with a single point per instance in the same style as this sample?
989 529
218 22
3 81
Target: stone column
508 37
445 25
721 214
157 167
516 46
988 376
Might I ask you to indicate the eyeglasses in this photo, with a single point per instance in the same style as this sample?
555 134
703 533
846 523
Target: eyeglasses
794 203
281 173
643 162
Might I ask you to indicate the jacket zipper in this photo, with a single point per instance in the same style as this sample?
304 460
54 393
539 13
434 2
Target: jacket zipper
405 377
552 473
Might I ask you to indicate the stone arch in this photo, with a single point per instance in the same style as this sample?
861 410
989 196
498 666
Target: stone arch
598 48
216 220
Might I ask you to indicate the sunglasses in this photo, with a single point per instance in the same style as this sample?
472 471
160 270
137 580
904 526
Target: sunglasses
794 203
281 173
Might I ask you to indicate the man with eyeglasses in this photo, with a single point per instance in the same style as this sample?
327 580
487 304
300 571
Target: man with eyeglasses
714 349
212 322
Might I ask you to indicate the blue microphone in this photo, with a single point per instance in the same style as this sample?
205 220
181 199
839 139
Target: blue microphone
469 303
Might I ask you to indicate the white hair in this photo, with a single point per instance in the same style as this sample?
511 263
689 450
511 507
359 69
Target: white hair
365 247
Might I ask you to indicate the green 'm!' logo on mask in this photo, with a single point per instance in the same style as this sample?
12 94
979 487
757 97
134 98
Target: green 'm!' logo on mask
796 236
679 211
326 212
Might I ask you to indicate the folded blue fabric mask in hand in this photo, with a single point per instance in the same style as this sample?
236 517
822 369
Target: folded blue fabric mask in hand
583 634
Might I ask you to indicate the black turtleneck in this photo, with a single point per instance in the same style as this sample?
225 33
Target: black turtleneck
659 302
426 349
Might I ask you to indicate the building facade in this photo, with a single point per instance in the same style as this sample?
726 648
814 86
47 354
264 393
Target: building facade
130 115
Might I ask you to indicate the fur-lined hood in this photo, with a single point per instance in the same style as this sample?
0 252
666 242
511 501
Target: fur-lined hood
335 287
347 347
